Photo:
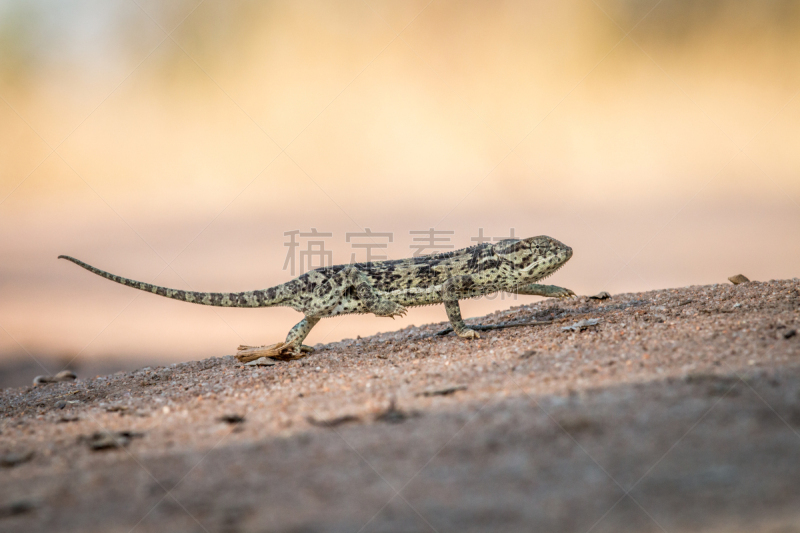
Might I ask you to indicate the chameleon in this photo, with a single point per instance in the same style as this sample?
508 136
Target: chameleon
388 288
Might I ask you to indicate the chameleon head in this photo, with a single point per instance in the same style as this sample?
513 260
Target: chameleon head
534 258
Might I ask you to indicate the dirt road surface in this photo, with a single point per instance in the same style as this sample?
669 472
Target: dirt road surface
678 411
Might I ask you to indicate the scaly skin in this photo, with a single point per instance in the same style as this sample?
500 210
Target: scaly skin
388 288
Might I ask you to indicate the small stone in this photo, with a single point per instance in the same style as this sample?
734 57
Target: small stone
231 419
66 375
600 296
789 334
61 404
17 508
738 278
105 440
262 361
333 422
14 459
582 325
445 391
527 354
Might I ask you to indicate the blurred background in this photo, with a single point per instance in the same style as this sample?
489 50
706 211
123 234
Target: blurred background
176 143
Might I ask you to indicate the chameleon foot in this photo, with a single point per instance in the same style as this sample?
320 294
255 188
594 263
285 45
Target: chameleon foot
562 293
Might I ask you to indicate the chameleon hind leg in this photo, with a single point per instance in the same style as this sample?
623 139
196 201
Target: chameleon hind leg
293 348
454 315
453 288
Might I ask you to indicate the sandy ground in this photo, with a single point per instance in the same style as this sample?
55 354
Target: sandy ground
679 411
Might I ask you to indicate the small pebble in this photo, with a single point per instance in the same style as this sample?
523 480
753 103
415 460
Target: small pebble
333 422
738 278
262 361
600 296
105 440
61 404
582 325
14 459
231 419
17 508
443 391
64 375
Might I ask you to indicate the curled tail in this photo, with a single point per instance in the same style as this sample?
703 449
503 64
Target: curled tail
262 298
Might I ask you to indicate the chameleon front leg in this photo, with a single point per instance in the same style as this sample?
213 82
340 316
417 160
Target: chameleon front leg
454 315
451 290
549 291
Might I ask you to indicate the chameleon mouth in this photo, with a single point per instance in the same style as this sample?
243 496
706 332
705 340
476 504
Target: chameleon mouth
556 269
561 260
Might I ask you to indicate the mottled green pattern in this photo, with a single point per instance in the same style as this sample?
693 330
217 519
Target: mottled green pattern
387 288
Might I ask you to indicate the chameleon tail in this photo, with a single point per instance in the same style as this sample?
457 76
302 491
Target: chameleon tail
261 298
